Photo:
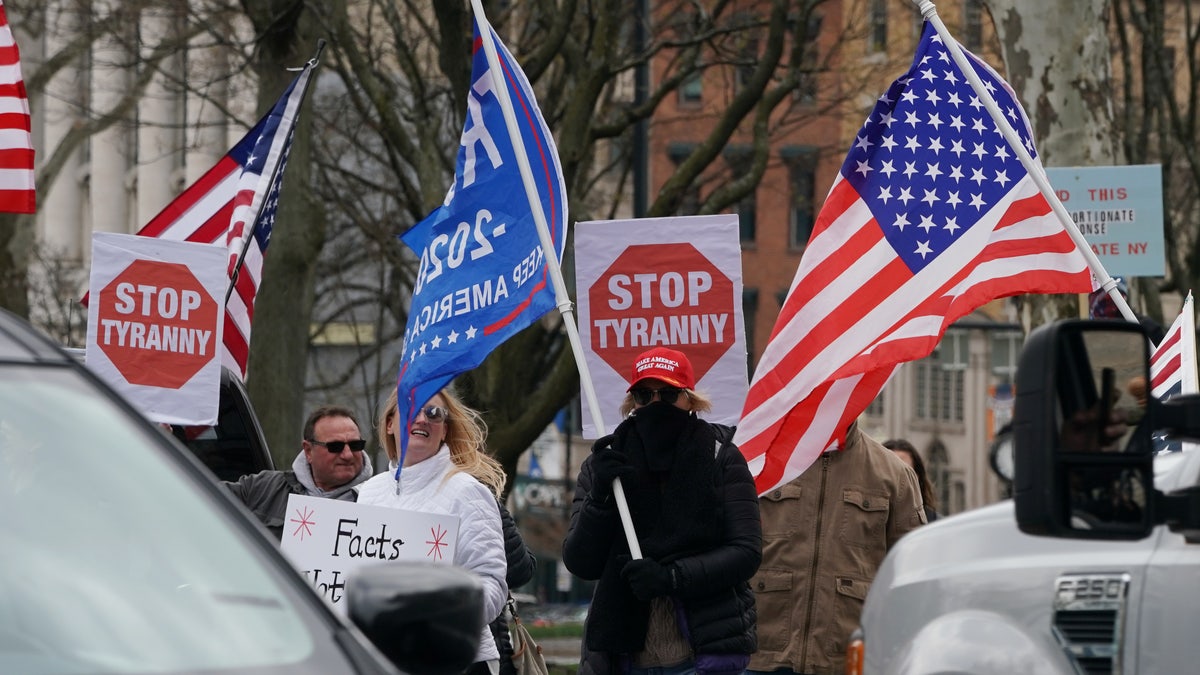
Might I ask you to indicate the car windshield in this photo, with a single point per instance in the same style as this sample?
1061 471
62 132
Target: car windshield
114 559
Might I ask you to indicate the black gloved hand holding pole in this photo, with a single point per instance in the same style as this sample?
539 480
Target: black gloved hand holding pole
649 579
608 464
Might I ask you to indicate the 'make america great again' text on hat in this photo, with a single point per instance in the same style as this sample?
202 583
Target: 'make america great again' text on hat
664 364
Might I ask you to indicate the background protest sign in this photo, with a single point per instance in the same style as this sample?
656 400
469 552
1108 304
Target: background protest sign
651 282
1119 210
154 324
327 539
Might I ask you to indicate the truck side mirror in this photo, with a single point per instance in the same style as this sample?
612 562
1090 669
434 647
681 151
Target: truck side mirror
425 617
1082 427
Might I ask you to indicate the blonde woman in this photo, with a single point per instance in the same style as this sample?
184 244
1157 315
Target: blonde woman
445 471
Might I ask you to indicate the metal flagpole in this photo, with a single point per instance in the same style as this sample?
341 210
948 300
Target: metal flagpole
560 288
237 267
929 11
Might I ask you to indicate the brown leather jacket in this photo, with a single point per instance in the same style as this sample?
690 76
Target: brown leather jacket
824 537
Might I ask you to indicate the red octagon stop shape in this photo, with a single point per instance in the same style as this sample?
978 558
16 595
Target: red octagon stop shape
683 302
157 324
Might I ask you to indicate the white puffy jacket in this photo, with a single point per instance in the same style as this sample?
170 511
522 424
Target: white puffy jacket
429 487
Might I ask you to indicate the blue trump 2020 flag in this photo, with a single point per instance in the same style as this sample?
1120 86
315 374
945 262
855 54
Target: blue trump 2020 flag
483 275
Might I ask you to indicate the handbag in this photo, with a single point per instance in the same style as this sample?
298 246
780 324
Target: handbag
527 655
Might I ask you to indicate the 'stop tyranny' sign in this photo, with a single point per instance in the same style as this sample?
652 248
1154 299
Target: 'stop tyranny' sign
154 324
662 282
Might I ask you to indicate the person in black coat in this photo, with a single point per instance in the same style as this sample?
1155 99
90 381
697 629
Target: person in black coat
521 565
687 603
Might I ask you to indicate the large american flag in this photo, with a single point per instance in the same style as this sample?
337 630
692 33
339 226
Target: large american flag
17 194
221 207
1173 366
931 216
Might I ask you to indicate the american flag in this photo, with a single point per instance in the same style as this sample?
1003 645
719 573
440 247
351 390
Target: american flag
1173 365
17 193
931 216
221 206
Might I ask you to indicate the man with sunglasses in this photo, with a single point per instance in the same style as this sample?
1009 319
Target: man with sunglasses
331 462
686 606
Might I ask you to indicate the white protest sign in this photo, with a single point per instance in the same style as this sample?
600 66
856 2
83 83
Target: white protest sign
155 315
327 539
651 282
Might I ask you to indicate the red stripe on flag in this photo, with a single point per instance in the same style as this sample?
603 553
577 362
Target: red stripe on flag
238 346
13 90
1169 368
18 201
15 158
193 194
492 328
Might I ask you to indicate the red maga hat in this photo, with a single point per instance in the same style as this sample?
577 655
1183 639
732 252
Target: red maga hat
661 363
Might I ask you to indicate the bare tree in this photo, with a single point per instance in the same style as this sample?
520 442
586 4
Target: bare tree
1159 121
389 136
1057 58
93 22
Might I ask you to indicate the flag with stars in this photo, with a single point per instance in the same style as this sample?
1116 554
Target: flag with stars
234 204
1173 367
931 216
483 275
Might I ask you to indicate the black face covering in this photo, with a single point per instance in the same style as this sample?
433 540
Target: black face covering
660 426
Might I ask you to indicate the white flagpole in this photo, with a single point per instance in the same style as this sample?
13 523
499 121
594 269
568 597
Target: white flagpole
929 11
560 288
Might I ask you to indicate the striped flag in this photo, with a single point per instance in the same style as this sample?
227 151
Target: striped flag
17 193
1173 365
223 206
930 217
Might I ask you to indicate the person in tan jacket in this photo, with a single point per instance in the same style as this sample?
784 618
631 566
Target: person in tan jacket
824 536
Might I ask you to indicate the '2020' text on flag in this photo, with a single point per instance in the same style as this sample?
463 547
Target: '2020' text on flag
17 193
931 216
1173 365
483 275
222 206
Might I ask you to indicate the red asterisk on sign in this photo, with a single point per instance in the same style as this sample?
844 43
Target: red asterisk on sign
304 523
436 544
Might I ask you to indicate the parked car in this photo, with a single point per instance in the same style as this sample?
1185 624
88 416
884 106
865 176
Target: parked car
121 554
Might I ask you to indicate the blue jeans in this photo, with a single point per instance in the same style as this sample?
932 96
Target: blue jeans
781 671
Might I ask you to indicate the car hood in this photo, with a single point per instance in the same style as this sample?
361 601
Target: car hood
985 543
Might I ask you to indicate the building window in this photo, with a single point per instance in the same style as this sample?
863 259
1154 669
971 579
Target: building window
801 162
810 63
973 24
941 380
692 90
875 408
740 159
1006 349
879 26
690 204
747 61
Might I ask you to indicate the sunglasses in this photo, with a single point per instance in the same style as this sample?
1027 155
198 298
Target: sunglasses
643 396
336 447
434 413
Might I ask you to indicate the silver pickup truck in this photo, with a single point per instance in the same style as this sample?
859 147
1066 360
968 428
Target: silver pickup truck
1097 589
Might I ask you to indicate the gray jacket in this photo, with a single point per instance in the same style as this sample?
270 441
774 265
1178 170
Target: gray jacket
266 493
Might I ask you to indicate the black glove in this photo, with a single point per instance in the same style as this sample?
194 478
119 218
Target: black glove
608 463
648 578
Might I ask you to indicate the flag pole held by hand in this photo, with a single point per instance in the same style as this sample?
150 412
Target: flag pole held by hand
560 287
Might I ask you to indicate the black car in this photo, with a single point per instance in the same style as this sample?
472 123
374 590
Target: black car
119 553
235 445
